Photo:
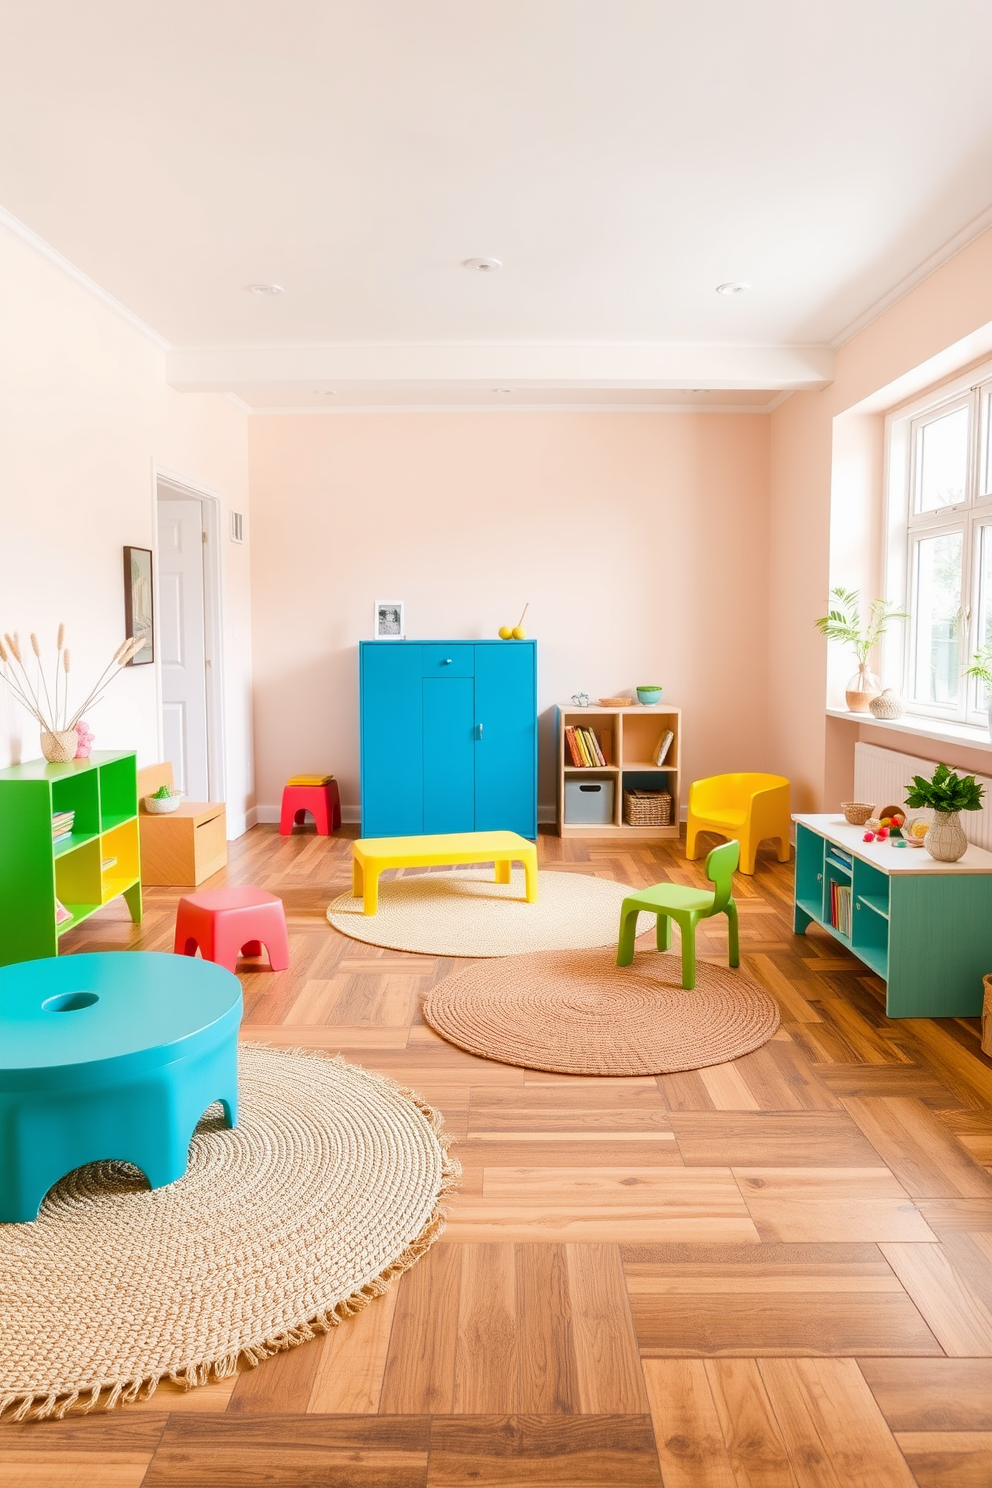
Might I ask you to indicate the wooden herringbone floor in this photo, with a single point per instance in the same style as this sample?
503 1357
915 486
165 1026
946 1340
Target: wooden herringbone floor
775 1273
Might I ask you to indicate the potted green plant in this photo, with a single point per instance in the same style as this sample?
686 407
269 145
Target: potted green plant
947 795
843 623
981 670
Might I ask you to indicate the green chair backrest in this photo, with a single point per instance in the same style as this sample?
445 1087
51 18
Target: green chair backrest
720 866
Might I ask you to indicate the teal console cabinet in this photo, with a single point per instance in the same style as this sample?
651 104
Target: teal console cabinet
924 927
449 737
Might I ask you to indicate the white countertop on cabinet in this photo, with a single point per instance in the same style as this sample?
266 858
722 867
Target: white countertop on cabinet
885 857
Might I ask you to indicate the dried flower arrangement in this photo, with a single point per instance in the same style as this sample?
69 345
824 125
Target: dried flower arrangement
59 736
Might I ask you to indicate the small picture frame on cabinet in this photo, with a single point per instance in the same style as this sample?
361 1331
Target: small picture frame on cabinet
388 620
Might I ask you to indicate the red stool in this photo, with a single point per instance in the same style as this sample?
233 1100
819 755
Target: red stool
223 922
322 801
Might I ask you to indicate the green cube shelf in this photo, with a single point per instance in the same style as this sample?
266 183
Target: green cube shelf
35 871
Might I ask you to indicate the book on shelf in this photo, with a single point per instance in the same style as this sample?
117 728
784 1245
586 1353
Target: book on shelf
595 749
840 907
572 743
107 864
61 913
664 745
584 748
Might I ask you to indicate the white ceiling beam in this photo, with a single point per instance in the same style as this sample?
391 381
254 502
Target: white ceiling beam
563 365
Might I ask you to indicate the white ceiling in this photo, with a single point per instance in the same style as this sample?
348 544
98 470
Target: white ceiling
621 157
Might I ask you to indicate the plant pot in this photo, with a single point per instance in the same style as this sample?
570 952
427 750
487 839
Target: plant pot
162 805
61 747
945 840
863 686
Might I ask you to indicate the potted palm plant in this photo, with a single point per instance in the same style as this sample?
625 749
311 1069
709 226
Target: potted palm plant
947 795
981 670
843 623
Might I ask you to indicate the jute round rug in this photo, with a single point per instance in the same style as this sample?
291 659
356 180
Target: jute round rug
328 1189
578 1013
464 913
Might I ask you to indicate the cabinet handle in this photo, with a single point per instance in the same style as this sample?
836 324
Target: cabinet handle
446 661
480 730
819 878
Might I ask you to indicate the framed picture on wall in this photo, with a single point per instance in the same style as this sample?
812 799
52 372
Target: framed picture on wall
388 620
138 611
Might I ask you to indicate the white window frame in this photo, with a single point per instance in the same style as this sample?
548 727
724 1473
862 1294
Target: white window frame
904 528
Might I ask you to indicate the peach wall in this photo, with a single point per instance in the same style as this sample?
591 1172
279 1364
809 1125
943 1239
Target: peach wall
639 541
84 413
946 322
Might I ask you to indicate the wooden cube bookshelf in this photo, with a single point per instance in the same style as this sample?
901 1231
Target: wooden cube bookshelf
629 738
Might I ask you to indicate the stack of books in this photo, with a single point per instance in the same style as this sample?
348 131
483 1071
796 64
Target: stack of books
584 747
840 907
62 825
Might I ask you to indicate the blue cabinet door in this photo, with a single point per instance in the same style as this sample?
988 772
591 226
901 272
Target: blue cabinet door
449 754
392 732
506 749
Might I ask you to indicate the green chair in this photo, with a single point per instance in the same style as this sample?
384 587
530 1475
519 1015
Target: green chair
687 906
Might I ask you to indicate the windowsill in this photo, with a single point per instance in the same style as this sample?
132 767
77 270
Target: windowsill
923 727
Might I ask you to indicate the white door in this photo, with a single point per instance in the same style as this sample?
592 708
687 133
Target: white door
182 642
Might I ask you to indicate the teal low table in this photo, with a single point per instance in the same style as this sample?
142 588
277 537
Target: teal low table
115 1055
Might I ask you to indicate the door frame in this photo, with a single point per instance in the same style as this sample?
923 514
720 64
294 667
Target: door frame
184 487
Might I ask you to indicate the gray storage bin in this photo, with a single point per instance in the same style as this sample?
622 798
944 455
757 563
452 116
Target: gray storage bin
588 802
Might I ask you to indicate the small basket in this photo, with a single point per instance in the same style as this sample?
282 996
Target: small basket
856 813
647 808
616 702
161 805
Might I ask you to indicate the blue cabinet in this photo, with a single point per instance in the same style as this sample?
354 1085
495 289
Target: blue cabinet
449 737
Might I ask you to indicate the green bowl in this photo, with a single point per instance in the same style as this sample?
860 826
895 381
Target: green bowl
649 695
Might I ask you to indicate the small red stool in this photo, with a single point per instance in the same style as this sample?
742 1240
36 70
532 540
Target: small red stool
322 801
224 922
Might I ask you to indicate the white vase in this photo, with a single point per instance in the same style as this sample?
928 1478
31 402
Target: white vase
945 840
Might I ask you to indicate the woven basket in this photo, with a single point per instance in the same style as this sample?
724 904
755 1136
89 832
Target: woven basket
616 702
647 808
856 812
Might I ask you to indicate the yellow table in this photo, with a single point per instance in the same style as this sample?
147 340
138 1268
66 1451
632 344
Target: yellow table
370 856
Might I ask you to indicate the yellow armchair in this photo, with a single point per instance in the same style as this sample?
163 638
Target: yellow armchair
745 808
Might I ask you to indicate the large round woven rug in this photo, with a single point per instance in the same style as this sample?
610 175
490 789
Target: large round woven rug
464 913
328 1188
578 1013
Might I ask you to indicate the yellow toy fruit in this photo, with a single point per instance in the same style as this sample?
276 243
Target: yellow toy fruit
518 633
505 632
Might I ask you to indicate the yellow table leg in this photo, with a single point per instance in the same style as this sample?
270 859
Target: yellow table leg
530 870
503 866
357 878
371 892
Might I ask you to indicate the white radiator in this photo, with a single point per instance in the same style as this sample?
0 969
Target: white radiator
882 777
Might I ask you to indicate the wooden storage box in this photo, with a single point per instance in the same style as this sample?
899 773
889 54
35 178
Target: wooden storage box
181 849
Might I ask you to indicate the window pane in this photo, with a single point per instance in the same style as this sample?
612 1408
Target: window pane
942 461
938 600
985 482
979 692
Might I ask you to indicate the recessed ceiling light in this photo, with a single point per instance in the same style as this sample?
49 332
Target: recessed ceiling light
263 289
325 392
733 287
482 265
502 390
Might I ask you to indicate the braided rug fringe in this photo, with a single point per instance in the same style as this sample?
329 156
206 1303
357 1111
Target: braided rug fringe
39 1407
